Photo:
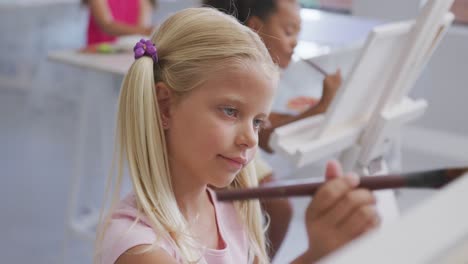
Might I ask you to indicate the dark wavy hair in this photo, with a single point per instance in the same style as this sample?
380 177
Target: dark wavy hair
244 9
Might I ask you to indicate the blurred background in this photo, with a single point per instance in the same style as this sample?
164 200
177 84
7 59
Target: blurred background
40 104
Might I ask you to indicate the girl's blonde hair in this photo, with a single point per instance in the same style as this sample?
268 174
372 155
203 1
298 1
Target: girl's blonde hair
192 44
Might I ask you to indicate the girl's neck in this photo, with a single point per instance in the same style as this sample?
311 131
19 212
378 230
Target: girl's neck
192 198
193 204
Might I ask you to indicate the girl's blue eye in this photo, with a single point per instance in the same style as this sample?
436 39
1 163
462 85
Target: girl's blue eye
229 111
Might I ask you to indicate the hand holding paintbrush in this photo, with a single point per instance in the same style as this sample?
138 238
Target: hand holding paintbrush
338 214
343 208
331 84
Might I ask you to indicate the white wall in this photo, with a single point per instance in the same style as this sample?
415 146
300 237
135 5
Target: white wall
445 84
385 10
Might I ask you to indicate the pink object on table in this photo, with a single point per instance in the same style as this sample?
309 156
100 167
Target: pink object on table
124 11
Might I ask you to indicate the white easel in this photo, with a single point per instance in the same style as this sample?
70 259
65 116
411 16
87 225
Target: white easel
371 107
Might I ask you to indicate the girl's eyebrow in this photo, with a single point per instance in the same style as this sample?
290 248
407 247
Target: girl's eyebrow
238 100
234 99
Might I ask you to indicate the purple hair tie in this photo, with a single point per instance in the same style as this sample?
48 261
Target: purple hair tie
146 48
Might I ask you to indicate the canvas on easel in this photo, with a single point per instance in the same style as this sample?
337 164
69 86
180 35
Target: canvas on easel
394 107
370 108
392 58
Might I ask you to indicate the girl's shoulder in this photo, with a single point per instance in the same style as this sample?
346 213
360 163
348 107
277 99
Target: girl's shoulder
126 229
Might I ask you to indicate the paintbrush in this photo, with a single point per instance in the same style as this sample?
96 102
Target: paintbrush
313 65
422 179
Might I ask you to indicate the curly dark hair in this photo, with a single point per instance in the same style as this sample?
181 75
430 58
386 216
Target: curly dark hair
244 9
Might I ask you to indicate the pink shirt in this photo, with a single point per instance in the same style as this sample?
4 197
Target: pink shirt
124 11
117 240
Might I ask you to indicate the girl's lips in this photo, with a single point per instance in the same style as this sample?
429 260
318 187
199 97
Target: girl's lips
235 162
239 160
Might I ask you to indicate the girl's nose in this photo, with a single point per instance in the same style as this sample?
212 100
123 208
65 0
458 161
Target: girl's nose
247 136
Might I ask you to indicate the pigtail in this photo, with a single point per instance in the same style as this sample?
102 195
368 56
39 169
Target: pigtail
145 147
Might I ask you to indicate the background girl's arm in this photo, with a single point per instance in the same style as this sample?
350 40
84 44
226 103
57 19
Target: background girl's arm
331 83
154 256
103 16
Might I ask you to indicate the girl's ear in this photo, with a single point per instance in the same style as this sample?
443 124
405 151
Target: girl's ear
164 97
255 23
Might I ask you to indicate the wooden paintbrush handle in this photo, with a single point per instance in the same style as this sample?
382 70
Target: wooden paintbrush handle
425 179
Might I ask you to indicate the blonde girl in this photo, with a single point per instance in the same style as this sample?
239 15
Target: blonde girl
190 110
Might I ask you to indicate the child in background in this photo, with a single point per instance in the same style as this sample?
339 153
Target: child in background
190 110
110 19
278 23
